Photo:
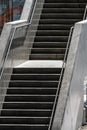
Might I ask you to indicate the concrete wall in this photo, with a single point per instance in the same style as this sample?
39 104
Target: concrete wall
69 111
6 53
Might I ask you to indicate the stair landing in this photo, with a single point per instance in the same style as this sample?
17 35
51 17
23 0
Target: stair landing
41 64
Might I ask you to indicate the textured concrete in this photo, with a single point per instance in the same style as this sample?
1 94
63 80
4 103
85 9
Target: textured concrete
69 111
5 43
26 13
8 29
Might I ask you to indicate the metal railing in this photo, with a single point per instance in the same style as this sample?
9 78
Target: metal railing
85 13
16 32
62 71
61 76
9 47
12 38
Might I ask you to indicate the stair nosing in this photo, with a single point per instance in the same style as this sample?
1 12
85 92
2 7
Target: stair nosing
29 95
37 110
8 88
24 125
27 102
6 117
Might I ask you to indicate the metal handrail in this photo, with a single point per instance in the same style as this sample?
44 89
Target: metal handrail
33 12
12 37
63 66
10 47
85 13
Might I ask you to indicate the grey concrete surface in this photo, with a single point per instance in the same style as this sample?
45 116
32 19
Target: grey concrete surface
26 13
5 43
8 28
5 38
69 111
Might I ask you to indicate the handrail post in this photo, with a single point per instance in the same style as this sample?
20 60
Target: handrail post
85 13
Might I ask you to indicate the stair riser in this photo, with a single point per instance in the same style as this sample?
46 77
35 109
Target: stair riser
49 45
26 113
30 98
18 127
52 33
27 105
37 71
35 77
55 26
48 51
62 10
31 91
67 1
24 120
47 57
51 39
60 16
58 21
64 5
33 84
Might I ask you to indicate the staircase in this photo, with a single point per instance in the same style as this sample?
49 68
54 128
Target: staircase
29 100
30 97
54 26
